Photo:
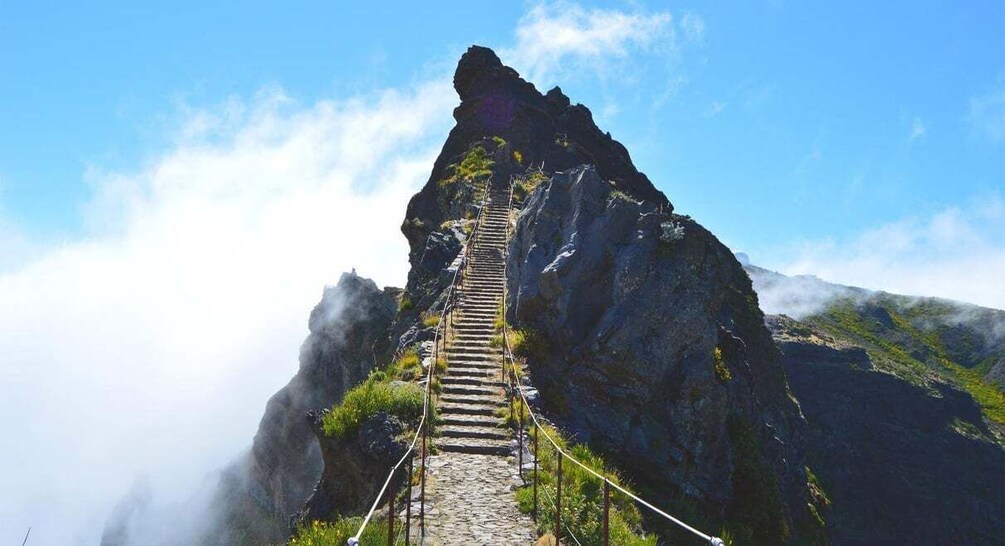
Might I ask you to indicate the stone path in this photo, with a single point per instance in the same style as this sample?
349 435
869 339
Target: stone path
470 487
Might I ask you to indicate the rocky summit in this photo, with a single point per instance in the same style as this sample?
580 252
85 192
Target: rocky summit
644 344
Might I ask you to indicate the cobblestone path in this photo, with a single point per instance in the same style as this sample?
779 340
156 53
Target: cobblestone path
471 483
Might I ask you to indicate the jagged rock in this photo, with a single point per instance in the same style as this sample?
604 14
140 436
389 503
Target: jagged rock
348 337
355 467
547 131
901 463
631 323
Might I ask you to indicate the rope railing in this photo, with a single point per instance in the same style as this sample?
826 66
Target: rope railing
422 430
515 386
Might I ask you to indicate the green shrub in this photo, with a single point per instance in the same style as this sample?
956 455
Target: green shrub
582 497
721 371
403 400
405 303
407 367
431 320
528 344
476 165
320 533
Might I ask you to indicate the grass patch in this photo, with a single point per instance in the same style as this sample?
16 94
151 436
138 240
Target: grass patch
405 303
320 533
403 400
476 165
886 345
757 500
582 498
529 344
721 371
430 320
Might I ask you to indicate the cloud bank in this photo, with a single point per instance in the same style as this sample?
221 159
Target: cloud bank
150 348
554 40
139 357
956 253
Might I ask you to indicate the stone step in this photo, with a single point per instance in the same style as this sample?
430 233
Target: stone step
484 327
471 390
470 420
473 381
449 408
473 400
473 372
467 353
472 446
488 433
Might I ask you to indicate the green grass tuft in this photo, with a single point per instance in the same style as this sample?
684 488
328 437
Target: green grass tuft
320 533
582 497
403 400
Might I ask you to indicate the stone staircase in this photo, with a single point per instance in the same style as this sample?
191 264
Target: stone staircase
472 386
471 498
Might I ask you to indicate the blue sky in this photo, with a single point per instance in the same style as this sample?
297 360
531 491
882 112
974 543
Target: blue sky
177 184
794 117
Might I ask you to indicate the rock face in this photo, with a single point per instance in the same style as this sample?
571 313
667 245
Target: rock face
902 464
546 131
355 468
656 352
929 330
348 336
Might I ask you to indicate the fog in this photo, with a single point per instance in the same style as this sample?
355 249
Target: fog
138 358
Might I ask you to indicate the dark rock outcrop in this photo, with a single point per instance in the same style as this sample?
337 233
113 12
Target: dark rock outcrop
348 338
656 352
355 467
547 131
901 463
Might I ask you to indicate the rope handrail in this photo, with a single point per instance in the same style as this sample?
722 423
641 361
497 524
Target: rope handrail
515 380
451 293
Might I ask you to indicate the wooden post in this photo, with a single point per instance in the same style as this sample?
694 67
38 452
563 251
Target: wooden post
558 500
390 513
607 511
537 433
422 484
519 435
408 500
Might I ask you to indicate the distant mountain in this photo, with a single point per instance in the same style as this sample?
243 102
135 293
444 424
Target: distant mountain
905 409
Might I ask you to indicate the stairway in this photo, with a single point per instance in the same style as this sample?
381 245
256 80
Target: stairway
472 387
471 499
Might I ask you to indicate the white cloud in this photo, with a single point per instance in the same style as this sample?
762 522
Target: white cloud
917 130
693 26
562 38
987 114
714 108
150 347
956 253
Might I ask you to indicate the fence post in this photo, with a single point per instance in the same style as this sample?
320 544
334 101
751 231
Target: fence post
537 433
390 512
558 500
422 485
408 500
607 511
519 435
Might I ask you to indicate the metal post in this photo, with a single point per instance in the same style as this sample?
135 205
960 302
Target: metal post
390 514
408 500
607 510
558 500
537 433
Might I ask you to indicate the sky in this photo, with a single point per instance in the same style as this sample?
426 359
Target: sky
178 183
